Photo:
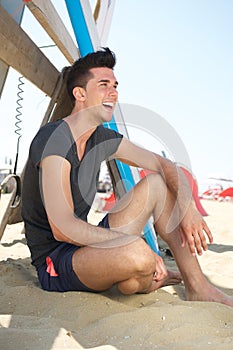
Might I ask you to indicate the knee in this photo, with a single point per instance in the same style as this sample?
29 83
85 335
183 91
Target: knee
154 182
141 264
142 258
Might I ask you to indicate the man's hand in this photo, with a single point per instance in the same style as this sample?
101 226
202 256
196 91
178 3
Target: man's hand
160 271
193 230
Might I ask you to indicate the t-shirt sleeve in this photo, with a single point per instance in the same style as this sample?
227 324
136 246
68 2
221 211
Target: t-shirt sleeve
50 140
111 139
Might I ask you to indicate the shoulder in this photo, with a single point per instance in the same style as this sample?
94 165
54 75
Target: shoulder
47 130
52 133
51 139
108 140
107 134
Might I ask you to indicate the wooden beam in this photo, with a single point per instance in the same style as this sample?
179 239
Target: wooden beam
19 51
15 9
47 16
60 104
3 74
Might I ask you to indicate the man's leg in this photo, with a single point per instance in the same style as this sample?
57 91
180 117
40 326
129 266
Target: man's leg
196 286
132 266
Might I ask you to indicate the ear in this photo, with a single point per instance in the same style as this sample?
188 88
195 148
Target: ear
79 93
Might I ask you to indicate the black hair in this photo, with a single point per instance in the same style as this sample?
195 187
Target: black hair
79 73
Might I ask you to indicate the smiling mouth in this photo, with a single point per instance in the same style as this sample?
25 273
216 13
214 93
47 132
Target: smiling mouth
108 105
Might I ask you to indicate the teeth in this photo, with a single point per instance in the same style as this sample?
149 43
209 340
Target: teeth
109 104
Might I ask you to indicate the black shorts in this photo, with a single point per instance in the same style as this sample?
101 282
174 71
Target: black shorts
57 274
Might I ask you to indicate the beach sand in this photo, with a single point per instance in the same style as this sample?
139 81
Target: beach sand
34 319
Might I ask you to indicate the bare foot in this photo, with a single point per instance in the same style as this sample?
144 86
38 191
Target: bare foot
171 279
210 293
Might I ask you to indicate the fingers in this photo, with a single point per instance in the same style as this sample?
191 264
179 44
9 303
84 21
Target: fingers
195 236
183 238
208 232
191 243
197 241
160 269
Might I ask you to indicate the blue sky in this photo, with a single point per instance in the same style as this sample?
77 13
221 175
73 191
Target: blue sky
174 57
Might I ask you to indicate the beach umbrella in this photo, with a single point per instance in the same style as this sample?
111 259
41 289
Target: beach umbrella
228 192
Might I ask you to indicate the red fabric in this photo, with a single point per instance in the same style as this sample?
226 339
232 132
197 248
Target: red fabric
228 192
50 267
109 202
194 187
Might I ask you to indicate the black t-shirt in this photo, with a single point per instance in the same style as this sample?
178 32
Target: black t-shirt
56 139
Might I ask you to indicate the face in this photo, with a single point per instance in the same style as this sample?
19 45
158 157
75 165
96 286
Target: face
101 93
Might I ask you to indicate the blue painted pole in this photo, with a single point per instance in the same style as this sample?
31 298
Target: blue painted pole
86 46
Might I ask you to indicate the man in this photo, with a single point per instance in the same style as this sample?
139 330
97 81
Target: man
60 185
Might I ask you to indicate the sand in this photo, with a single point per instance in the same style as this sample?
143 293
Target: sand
34 319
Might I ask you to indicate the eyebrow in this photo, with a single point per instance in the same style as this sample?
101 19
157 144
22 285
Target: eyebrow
107 81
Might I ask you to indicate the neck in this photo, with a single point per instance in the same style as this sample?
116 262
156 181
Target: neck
82 128
82 122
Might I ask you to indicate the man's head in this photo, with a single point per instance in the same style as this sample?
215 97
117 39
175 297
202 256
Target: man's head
79 73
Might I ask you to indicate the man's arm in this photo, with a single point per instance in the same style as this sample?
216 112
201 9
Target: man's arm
192 224
60 211
175 179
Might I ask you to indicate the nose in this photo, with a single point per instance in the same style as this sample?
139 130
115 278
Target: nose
113 91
